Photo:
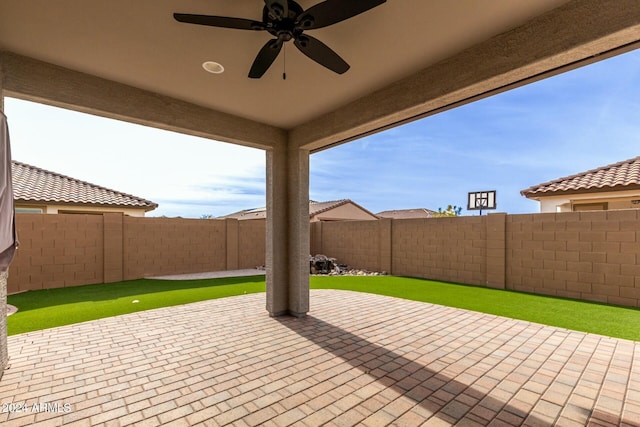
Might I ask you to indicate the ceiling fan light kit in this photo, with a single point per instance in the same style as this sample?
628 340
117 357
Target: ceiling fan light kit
213 67
286 21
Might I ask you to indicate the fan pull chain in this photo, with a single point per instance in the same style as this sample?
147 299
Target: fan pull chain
284 67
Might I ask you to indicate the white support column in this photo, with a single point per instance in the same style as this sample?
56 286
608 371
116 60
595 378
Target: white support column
287 231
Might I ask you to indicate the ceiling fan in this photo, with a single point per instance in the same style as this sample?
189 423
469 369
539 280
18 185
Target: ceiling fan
286 20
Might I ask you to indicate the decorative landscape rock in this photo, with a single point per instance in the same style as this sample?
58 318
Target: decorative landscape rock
327 266
324 265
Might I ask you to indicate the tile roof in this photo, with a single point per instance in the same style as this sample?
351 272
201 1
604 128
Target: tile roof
257 213
315 208
407 213
33 184
618 176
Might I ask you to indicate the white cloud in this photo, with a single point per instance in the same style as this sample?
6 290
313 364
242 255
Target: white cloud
146 162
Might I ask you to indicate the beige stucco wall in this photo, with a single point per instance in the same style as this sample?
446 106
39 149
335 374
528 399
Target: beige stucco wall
615 199
251 243
355 241
164 246
555 204
55 209
347 211
451 249
585 255
57 251
70 249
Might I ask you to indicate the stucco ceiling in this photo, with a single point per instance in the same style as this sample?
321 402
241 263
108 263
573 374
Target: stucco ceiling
131 60
138 43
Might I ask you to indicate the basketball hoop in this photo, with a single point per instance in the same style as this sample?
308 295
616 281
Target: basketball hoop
479 200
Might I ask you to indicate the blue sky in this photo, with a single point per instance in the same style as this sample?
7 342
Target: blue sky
570 123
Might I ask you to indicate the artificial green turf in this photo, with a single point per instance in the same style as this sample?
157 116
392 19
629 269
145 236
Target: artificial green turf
57 307
603 319
64 306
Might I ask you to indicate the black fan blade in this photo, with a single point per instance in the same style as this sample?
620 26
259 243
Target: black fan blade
220 21
278 9
321 53
330 12
265 58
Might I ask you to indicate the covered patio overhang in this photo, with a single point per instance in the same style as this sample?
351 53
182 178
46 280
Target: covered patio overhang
409 59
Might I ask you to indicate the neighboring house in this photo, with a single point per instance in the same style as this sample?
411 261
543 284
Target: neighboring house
407 213
615 186
336 210
37 190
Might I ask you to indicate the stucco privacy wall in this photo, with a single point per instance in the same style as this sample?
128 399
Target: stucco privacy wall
57 251
355 241
70 250
587 255
251 243
450 249
163 246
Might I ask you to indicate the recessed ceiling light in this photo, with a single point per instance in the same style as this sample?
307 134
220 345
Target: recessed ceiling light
213 67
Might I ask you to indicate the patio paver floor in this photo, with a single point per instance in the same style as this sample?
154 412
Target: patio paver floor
357 359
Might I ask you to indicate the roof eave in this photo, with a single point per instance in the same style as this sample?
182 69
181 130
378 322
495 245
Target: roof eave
592 190
147 208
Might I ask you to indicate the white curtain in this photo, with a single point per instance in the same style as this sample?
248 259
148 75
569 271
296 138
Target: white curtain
8 241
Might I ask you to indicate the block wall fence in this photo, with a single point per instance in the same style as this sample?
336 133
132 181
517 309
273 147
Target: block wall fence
593 256
69 250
